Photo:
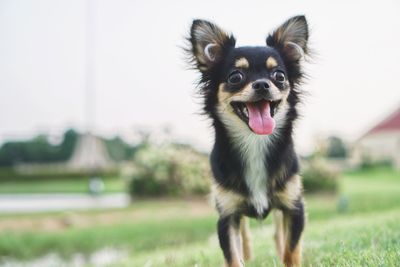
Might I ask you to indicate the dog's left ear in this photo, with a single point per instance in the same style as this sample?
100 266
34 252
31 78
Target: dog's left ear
291 38
208 43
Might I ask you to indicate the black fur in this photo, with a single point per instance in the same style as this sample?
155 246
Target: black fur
297 223
227 162
223 236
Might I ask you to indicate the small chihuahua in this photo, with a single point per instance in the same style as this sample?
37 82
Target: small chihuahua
251 95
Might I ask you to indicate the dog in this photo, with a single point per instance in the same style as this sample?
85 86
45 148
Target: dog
251 95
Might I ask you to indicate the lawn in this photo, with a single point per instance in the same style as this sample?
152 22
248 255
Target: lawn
59 185
358 227
359 240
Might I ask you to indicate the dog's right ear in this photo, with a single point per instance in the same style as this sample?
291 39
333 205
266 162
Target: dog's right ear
208 44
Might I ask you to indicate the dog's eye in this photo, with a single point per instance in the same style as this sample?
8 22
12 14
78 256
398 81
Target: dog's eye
279 76
235 77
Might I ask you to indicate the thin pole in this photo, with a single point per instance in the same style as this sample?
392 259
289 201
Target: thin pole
89 68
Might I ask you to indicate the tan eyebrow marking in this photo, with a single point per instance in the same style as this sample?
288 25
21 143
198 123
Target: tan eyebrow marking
242 63
271 63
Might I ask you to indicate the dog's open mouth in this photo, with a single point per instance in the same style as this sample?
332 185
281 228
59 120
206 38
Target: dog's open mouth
257 115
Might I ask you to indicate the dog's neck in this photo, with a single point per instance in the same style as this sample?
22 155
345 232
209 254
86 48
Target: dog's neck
251 149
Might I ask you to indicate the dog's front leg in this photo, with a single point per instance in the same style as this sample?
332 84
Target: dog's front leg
230 240
294 220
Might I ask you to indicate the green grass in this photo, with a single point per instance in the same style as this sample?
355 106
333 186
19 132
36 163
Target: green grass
364 231
371 239
362 240
60 185
138 237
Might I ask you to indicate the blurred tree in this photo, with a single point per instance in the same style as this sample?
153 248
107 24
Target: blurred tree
38 149
9 153
68 144
28 151
118 149
336 148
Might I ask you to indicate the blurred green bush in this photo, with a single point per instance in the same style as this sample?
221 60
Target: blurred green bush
319 177
367 163
39 149
169 170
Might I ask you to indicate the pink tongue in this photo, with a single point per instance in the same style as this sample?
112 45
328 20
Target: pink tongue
260 120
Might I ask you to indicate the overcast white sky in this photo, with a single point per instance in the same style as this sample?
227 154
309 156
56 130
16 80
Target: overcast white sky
140 77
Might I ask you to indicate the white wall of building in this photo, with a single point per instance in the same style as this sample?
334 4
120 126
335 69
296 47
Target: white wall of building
380 146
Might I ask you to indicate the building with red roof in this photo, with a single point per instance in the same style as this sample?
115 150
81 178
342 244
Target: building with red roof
381 143
390 124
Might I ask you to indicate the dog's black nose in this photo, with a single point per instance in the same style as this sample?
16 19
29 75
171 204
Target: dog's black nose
260 86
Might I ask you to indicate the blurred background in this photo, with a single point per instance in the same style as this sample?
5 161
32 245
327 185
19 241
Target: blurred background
104 155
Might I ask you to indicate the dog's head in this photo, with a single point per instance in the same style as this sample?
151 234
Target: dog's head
251 88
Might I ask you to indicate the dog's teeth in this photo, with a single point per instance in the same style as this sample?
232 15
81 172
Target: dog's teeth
246 112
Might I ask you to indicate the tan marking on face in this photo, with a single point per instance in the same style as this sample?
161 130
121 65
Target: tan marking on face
242 63
225 110
275 93
223 95
271 63
245 94
291 193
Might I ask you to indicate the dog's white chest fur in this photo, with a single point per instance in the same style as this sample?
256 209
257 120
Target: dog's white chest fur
253 149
